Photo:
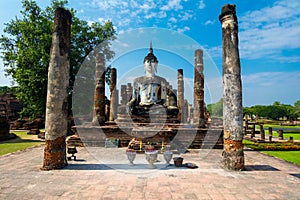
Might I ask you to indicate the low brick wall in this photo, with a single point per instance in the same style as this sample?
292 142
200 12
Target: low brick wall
200 137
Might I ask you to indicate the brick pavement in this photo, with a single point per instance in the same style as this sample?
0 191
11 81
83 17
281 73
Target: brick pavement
96 176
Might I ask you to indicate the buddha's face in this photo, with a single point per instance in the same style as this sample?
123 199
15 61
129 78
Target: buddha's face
150 66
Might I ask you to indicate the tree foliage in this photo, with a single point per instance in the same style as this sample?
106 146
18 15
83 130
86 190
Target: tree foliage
297 108
216 109
26 50
7 90
275 111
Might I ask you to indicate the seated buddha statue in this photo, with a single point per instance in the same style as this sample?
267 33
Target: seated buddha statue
149 89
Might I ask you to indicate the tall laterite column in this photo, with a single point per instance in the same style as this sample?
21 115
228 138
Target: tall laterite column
233 155
180 97
99 94
113 94
199 120
56 124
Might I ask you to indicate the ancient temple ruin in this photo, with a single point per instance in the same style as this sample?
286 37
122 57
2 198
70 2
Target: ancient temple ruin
150 110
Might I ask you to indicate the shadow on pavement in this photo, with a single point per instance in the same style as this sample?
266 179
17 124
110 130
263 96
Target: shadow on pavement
260 168
296 175
75 166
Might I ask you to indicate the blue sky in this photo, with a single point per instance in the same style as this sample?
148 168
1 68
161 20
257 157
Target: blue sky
269 38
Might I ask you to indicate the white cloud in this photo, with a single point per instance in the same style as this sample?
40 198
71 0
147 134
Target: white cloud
214 52
105 4
201 4
173 19
172 5
147 6
209 22
150 15
162 14
124 22
90 22
101 20
268 31
267 87
182 30
185 16
133 13
80 11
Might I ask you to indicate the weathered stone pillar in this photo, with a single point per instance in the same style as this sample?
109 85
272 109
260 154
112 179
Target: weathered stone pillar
233 155
123 95
270 134
253 131
185 111
117 100
57 93
113 94
280 134
270 131
128 92
190 113
99 94
262 132
199 120
180 97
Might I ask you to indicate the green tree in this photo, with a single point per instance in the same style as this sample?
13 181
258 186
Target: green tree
275 111
26 48
297 109
7 90
216 109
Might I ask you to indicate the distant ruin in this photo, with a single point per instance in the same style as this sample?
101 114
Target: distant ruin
10 107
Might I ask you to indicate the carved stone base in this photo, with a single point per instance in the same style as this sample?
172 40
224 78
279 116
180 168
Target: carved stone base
55 154
233 155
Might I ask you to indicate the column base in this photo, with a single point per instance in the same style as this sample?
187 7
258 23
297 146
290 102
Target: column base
55 154
233 155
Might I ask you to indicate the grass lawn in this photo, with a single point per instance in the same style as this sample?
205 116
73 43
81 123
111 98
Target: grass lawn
22 142
290 156
288 131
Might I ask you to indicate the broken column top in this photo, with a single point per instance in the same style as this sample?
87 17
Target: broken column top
198 52
227 9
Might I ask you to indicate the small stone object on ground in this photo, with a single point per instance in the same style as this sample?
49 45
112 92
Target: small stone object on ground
178 161
191 165
72 150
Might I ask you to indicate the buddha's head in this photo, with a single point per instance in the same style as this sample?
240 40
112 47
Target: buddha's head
150 62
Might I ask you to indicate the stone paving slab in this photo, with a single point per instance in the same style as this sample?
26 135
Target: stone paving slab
90 177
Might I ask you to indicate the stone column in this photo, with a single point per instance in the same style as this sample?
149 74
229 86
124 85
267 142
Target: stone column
113 94
99 94
185 111
270 134
128 92
117 100
180 97
233 155
190 113
280 134
57 92
199 120
253 131
262 132
123 95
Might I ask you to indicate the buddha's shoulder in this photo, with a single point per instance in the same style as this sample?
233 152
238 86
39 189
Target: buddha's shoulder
139 79
143 78
161 79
